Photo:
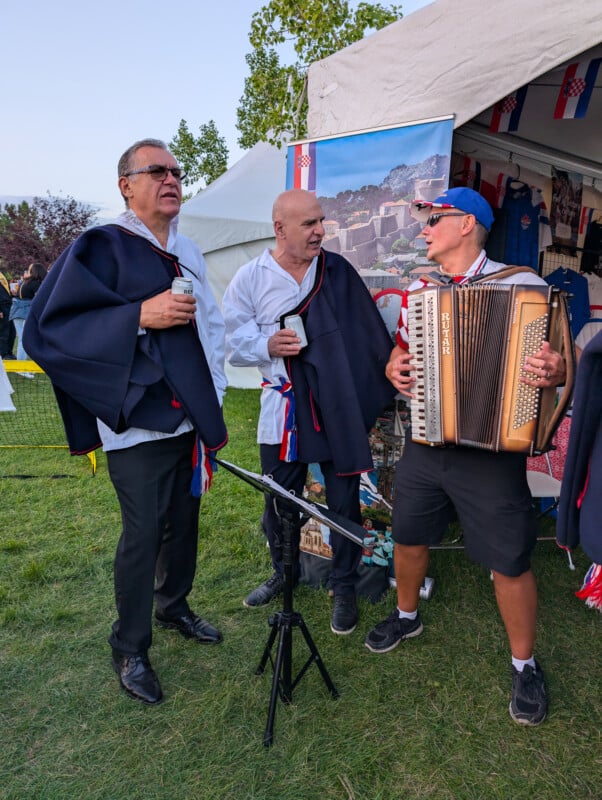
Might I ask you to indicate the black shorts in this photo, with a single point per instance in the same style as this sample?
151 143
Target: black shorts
486 492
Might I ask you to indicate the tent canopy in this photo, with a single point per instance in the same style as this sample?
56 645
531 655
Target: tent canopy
461 57
231 221
237 207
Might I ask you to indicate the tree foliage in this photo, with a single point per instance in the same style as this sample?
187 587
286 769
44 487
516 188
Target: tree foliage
274 102
40 231
203 157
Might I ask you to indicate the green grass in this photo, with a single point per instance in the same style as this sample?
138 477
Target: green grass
428 720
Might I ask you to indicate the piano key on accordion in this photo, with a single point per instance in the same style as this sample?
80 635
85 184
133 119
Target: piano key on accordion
469 345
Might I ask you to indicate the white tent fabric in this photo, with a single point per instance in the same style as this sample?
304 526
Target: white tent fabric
6 403
460 57
231 221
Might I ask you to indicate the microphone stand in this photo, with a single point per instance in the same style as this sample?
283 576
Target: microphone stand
284 622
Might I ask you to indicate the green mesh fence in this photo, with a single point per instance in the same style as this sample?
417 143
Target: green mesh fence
36 421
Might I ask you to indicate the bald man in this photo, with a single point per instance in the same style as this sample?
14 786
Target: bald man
323 383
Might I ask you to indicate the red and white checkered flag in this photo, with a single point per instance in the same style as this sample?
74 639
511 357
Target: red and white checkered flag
508 104
575 87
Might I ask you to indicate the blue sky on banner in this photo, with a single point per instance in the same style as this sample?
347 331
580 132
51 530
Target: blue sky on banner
363 159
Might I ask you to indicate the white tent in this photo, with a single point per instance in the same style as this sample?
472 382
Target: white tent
231 221
461 57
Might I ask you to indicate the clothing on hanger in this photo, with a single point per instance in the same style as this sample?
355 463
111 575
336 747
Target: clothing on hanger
526 223
577 289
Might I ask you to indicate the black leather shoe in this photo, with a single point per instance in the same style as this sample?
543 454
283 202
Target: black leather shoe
192 627
137 678
344 614
265 593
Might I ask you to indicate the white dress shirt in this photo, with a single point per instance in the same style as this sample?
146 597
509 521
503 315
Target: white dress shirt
257 296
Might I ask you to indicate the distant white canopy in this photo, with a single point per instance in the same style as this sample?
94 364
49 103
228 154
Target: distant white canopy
231 221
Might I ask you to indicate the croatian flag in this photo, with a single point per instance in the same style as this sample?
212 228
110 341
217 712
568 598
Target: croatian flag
576 90
304 166
586 218
506 113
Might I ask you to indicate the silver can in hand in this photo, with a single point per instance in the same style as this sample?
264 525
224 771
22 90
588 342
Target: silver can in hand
181 286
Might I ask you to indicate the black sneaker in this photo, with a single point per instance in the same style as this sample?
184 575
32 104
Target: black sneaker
390 632
529 704
266 592
344 614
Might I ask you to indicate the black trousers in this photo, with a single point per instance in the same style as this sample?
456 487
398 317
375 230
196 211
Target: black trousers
342 497
7 333
156 553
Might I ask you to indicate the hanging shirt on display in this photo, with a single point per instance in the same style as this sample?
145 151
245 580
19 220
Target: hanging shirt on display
594 286
576 286
525 214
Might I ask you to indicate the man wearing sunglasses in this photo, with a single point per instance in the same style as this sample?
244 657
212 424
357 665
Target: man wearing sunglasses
139 370
486 491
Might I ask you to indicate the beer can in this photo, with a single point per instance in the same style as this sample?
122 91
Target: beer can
181 286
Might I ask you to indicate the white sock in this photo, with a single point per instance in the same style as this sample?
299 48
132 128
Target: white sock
519 665
407 614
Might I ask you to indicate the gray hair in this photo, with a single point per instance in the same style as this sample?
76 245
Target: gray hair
125 162
482 235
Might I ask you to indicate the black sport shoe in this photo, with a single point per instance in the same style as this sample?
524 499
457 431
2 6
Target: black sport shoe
344 614
529 704
266 592
391 631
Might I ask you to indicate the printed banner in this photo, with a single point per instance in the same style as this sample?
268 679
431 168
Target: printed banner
365 183
576 90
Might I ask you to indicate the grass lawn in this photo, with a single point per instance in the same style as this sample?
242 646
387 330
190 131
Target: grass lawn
428 720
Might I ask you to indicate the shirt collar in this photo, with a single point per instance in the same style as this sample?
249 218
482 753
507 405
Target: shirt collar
128 219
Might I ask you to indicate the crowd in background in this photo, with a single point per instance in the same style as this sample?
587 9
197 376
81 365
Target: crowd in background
16 296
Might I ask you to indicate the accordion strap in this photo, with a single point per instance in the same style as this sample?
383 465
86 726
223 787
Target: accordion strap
443 280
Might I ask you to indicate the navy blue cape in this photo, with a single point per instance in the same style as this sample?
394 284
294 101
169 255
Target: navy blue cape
339 380
581 525
82 330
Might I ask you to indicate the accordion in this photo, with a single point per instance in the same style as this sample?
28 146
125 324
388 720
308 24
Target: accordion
469 344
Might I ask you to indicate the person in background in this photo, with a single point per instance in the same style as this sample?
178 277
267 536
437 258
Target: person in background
7 328
32 280
487 491
335 384
580 505
140 370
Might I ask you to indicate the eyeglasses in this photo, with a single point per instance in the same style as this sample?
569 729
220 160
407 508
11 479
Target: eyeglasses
434 218
158 172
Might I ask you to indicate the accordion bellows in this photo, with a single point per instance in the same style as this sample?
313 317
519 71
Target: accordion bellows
469 345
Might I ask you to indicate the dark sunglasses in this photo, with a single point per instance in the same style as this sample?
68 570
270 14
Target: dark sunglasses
158 172
434 218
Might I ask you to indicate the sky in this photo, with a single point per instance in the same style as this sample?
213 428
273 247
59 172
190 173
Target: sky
80 82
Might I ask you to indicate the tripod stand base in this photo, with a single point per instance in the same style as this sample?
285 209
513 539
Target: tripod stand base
282 624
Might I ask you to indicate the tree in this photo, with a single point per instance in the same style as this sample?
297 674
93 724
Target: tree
274 102
40 231
204 157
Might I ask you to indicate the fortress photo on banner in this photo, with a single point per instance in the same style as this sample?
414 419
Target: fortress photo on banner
365 183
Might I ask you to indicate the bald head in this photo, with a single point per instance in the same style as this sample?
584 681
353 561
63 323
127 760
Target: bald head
293 201
297 216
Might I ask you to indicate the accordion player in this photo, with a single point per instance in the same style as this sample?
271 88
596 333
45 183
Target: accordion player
469 344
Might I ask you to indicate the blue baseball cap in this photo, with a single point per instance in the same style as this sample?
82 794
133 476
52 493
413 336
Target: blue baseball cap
463 199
